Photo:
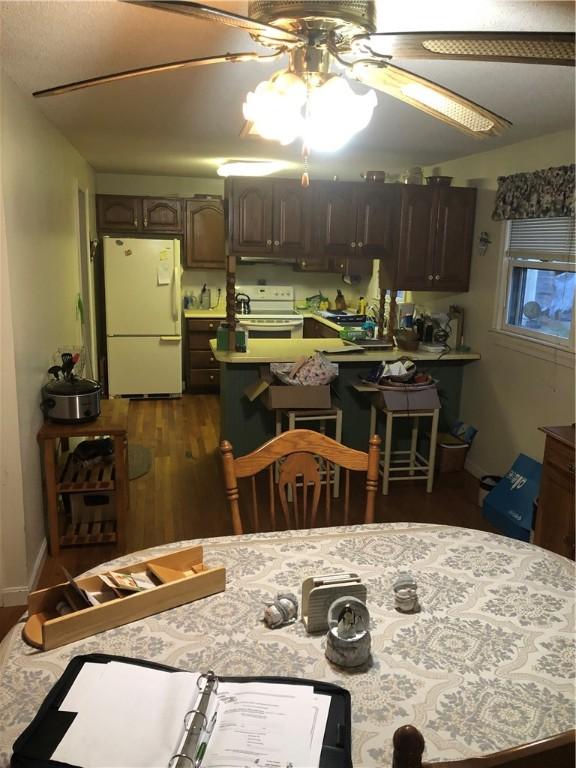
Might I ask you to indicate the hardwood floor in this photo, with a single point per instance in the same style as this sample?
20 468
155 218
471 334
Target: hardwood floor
182 495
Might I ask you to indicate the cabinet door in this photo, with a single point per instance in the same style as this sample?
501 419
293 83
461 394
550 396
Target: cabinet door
375 213
335 214
416 239
250 224
291 218
555 516
118 213
205 234
161 215
454 238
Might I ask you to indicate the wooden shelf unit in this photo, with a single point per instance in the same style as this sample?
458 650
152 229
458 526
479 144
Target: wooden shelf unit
65 477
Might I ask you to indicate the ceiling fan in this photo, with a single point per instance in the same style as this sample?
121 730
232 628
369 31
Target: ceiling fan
318 35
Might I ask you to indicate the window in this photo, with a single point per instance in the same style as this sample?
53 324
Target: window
540 280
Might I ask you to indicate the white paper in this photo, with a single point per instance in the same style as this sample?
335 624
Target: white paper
262 724
164 273
84 684
133 718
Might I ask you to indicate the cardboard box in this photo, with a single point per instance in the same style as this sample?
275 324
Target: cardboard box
408 400
275 395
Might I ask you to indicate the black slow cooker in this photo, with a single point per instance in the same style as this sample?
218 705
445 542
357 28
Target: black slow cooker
71 400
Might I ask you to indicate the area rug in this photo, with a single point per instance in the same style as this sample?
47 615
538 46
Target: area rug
139 460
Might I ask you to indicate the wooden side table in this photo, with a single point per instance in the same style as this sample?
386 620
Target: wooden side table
113 422
555 516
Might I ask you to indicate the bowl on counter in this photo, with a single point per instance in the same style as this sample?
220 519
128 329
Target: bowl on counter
407 340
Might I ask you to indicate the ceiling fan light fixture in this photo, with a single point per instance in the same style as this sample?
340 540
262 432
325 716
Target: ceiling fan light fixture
324 116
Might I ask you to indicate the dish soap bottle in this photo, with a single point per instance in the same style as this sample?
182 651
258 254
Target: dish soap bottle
361 306
340 301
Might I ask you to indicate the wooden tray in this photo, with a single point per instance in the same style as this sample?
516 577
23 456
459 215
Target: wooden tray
183 575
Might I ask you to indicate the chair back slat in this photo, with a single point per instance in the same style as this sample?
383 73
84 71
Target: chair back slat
291 472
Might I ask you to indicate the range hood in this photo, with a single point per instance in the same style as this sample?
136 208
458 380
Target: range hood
269 258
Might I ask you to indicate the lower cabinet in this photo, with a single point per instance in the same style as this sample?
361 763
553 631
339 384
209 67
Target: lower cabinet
202 369
315 329
555 516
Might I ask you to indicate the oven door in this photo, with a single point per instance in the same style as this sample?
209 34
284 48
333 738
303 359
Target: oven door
262 329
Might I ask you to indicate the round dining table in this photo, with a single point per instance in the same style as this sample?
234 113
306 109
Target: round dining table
487 663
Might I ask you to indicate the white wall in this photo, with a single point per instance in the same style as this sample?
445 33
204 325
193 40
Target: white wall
41 172
511 391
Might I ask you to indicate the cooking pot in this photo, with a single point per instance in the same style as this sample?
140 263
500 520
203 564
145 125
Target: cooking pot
242 304
71 400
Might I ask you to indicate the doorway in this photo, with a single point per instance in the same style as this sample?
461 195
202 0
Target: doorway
86 269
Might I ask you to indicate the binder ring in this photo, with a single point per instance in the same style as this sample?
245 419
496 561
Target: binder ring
178 756
194 712
208 677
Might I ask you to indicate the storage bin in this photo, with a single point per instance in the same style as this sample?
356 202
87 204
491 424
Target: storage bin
487 483
450 453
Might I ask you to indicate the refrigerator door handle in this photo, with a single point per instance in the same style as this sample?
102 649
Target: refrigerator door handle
170 338
175 296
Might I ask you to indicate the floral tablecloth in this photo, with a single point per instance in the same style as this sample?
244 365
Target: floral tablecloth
487 664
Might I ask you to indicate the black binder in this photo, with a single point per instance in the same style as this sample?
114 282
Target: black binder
35 746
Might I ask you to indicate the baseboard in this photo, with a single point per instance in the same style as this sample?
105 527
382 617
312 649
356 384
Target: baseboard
11 597
474 469
38 565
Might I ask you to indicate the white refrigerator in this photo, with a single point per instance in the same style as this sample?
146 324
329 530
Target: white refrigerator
143 325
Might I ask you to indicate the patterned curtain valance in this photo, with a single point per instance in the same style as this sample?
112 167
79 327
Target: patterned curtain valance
536 195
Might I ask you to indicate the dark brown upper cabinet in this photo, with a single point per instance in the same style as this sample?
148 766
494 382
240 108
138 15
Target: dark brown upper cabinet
121 214
205 235
355 220
435 236
268 216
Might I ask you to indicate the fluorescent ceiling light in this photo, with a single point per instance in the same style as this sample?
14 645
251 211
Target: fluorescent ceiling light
250 168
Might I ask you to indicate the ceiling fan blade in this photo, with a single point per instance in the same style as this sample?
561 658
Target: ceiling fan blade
517 47
208 13
430 97
129 73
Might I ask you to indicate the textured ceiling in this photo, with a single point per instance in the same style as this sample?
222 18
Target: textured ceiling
183 122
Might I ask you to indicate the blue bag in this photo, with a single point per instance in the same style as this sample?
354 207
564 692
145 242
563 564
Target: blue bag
510 505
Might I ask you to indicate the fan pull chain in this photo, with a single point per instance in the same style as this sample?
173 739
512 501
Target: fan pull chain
305 177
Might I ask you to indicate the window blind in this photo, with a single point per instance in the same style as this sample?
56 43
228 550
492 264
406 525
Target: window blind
551 239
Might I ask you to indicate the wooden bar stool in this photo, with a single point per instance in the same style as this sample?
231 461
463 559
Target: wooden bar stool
322 416
411 464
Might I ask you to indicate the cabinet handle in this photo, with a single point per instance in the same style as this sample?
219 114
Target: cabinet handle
268 242
276 242
211 359
437 277
430 277
135 222
145 221
210 325
302 263
352 245
360 245
211 377
571 468
341 266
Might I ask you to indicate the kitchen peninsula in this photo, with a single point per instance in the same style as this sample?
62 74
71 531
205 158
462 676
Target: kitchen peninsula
247 424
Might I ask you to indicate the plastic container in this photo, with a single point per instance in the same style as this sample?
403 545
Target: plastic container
450 453
487 483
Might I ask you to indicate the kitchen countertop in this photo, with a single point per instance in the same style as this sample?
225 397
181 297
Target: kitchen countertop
205 314
288 350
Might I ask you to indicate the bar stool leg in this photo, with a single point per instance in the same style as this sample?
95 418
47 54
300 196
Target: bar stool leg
338 436
432 454
387 452
413 443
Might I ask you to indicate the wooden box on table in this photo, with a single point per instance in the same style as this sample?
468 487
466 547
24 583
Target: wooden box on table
182 577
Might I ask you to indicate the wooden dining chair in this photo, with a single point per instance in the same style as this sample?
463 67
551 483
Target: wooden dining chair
555 752
300 471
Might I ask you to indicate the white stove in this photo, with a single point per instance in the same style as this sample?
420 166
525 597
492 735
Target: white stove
272 314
